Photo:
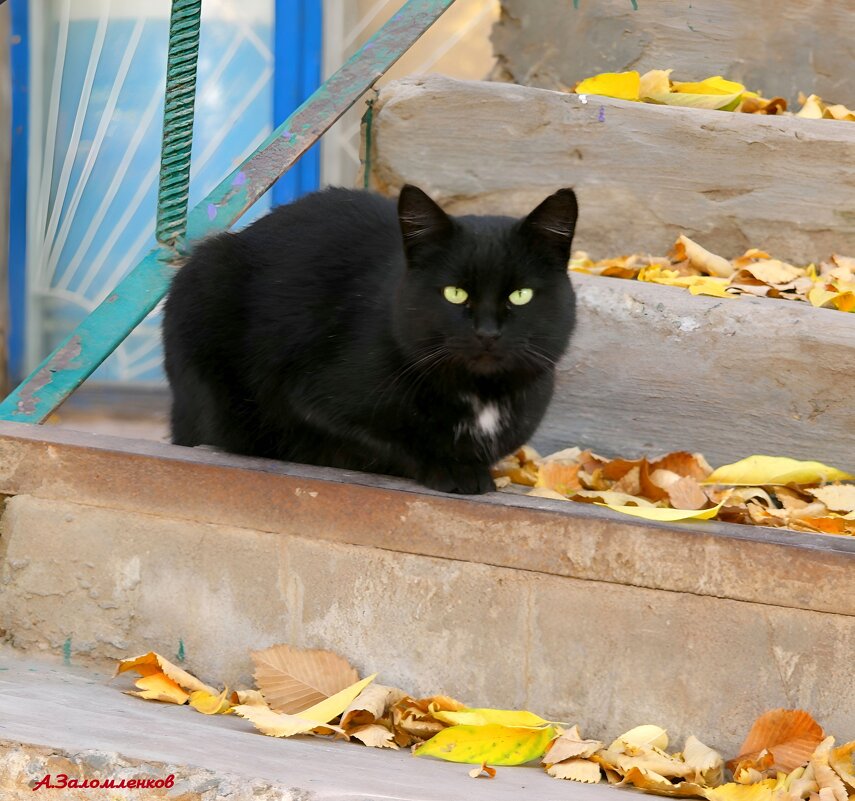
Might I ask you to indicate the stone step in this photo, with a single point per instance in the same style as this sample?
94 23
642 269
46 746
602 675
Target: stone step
58 719
112 548
652 368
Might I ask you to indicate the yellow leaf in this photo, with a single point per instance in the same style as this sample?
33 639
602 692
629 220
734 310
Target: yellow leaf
826 778
159 687
842 760
292 679
654 82
209 704
709 285
666 514
277 724
692 100
707 764
839 112
151 663
701 258
493 744
611 498
248 698
622 85
482 717
577 770
641 737
761 791
812 108
544 492
820 296
711 86
761 470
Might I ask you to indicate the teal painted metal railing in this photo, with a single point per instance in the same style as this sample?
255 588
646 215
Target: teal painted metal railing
174 187
138 293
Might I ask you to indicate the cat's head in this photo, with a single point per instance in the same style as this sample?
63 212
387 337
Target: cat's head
486 295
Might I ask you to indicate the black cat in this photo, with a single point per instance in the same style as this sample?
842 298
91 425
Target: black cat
335 331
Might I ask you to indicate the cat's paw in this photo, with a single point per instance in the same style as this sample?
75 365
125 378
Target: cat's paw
462 479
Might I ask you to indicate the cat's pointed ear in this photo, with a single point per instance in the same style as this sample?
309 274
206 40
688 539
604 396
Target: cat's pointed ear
554 220
420 218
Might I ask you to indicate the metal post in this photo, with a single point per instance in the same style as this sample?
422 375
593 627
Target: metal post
174 187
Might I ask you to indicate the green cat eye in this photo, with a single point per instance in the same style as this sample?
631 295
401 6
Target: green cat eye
521 296
454 294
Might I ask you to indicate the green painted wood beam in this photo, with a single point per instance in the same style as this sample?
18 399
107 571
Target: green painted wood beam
140 291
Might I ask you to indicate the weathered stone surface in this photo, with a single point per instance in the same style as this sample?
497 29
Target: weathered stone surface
104 734
643 174
653 368
605 655
583 541
779 48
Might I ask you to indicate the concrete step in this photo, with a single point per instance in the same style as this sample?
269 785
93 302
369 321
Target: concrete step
112 547
652 368
60 719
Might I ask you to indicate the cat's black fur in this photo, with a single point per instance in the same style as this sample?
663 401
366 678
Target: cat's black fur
320 334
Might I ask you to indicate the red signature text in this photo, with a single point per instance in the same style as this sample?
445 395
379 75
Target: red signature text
62 782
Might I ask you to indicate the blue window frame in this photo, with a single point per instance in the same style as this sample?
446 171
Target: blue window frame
298 43
20 60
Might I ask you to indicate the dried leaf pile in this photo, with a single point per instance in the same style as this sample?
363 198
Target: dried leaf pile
828 285
785 757
716 92
760 490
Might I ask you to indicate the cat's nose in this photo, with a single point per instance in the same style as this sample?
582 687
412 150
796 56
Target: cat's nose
487 336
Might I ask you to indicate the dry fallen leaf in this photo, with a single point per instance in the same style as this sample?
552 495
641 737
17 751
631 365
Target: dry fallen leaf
373 704
701 258
484 772
159 687
842 761
152 663
569 744
209 704
278 724
414 721
561 478
837 497
829 783
789 735
706 764
577 770
374 736
293 679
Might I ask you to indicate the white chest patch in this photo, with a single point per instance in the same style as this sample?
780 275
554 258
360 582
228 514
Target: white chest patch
486 421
